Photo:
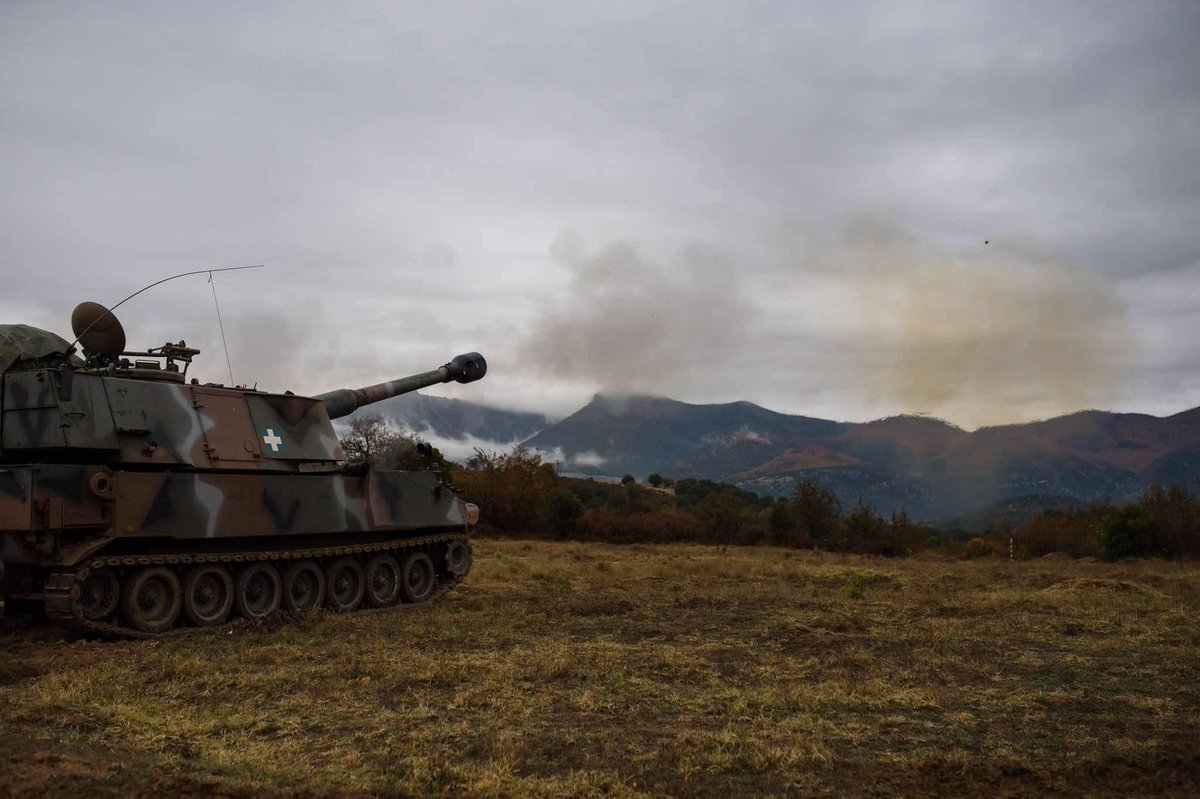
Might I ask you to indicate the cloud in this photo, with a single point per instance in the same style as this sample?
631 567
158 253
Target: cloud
404 173
743 434
461 449
587 458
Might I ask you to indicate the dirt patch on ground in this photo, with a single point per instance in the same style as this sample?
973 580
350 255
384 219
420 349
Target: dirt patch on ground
1099 584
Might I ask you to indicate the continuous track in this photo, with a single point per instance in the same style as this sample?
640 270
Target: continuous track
63 588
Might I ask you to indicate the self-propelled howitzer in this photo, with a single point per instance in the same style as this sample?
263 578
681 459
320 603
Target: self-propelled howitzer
135 501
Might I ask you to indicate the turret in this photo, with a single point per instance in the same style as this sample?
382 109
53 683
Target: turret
466 368
145 412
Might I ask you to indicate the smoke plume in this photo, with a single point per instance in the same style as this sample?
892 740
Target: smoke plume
872 322
628 323
990 336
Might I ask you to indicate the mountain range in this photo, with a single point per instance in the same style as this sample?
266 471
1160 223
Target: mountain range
934 470
452 418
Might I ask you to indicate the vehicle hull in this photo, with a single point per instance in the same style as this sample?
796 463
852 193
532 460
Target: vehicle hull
60 514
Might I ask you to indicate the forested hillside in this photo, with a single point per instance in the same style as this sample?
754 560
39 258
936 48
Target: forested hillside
928 468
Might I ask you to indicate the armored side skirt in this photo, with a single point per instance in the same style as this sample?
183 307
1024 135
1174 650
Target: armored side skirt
57 514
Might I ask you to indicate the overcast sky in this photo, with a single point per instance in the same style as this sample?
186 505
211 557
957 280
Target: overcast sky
984 211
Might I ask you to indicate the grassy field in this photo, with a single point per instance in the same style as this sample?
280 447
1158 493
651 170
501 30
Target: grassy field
571 669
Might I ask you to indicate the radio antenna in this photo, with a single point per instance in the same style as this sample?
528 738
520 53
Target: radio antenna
221 325
108 313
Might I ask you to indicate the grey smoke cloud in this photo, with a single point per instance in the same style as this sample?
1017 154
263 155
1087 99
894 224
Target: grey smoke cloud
627 321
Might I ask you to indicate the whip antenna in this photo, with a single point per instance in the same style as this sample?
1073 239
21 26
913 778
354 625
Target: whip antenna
221 325
108 312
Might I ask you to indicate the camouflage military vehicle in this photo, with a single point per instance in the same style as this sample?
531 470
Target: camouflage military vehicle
135 501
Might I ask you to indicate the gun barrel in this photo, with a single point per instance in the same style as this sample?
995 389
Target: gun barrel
466 368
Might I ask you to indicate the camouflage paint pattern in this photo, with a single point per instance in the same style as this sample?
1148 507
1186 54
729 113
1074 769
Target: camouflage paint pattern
105 457
165 423
61 514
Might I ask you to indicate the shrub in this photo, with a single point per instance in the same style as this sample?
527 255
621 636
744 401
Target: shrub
977 548
1130 533
721 513
1076 533
1176 515
855 587
517 493
567 510
659 527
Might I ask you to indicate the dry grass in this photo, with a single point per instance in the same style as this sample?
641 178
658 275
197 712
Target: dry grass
570 669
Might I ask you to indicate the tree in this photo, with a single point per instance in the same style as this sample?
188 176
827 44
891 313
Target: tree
690 491
372 440
907 537
865 530
816 512
567 510
721 512
633 497
516 491
655 480
1176 515
1129 533
628 479
779 522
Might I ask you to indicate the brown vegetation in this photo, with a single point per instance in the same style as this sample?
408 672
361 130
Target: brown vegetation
525 497
1164 522
567 669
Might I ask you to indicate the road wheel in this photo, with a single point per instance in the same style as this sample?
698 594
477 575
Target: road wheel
417 578
383 581
344 585
151 599
258 591
303 587
99 595
207 595
458 557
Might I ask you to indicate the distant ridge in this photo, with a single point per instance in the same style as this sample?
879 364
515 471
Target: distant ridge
933 469
930 467
641 434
